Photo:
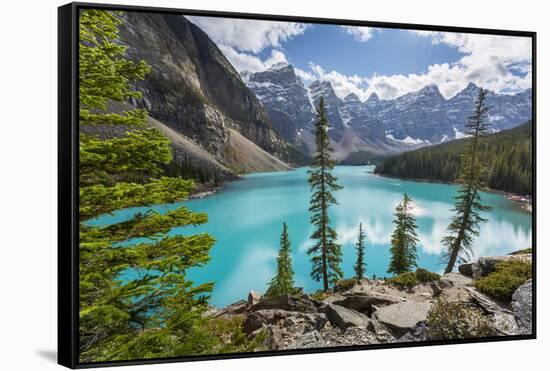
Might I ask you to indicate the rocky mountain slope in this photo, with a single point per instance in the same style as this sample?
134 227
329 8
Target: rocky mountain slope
285 99
292 108
195 92
377 126
375 311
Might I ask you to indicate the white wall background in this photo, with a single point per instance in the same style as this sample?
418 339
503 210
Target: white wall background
28 156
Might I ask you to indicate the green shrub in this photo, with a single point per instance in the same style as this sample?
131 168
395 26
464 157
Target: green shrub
450 320
504 281
424 275
405 280
228 336
319 295
345 284
526 251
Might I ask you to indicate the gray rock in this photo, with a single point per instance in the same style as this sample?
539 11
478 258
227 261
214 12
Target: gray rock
466 269
232 309
485 265
344 317
253 298
435 288
312 339
287 302
366 301
418 333
403 317
282 318
487 303
275 338
505 324
522 303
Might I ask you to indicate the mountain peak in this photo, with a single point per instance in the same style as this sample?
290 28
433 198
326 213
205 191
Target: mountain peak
351 97
431 88
279 66
373 98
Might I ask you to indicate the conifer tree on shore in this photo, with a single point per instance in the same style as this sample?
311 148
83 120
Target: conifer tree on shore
158 311
465 223
360 265
326 254
283 281
403 239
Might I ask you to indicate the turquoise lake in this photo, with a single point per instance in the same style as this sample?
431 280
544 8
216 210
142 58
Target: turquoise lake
246 219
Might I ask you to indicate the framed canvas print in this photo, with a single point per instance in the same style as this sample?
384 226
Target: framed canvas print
237 185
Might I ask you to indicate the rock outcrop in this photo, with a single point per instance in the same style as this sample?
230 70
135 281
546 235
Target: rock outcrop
403 317
373 312
522 304
485 265
343 317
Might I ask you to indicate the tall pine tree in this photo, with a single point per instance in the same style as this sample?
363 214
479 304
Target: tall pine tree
283 282
360 265
326 254
135 298
464 225
403 239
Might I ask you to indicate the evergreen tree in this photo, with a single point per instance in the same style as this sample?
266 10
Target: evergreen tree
403 239
360 266
157 311
326 254
283 282
468 206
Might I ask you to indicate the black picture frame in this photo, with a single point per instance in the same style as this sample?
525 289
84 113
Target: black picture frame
68 256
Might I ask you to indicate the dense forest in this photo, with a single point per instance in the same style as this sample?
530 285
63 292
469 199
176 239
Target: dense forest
508 156
363 158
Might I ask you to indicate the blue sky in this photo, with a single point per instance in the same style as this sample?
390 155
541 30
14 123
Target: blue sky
363 60
388 53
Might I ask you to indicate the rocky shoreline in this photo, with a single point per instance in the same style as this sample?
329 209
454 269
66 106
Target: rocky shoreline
375 311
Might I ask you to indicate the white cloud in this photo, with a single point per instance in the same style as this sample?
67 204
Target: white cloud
248 62
304 75
248 35
359 33
342 84
488 62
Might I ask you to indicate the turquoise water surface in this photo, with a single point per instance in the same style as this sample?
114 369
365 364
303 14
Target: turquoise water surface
246 219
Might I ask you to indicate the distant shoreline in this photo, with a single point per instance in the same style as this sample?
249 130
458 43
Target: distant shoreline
525 205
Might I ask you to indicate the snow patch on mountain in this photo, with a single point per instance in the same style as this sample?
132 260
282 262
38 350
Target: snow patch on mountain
408 140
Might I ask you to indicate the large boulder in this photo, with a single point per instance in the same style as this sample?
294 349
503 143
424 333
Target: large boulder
485 265
344 317
287 302
403 317
466 269
366 301
522 303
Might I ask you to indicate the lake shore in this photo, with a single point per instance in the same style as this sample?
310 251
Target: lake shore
526 201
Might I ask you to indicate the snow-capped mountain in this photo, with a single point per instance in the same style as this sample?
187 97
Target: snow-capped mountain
505 111
415 119
426 116
285 99
333 105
